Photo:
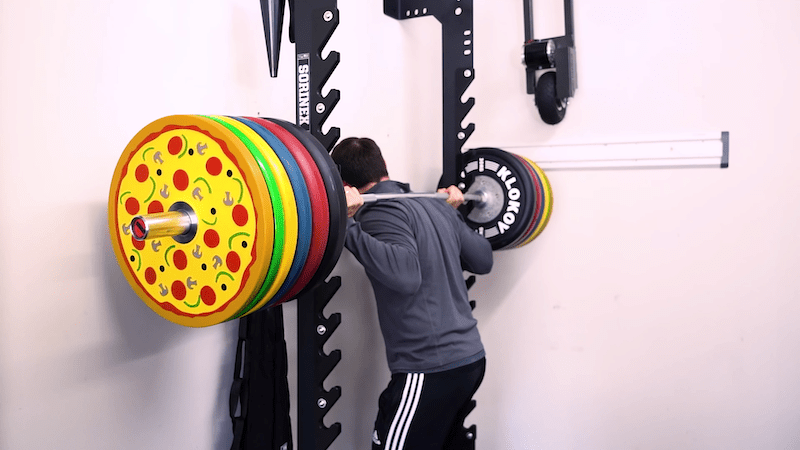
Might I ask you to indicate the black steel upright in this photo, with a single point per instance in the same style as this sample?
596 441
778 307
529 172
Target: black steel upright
457 74
457 71
312 24
314 365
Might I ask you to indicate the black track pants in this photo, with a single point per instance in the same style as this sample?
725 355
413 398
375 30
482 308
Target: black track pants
419 411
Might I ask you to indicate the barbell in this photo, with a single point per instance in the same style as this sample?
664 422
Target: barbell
180 223
478 196
212 218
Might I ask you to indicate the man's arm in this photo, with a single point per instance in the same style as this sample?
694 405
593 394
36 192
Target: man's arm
354 200
455 196
476 251
384 244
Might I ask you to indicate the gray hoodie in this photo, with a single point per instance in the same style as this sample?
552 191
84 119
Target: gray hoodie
414 251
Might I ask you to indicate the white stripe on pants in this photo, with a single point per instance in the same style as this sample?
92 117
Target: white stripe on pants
405 412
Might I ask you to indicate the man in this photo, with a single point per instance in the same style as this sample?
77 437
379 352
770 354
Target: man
414 251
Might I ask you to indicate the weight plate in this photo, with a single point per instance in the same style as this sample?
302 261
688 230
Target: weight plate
538 203
528 208
540 206
200 163
271 167
506 171
548 203
320 216
336 200
304 226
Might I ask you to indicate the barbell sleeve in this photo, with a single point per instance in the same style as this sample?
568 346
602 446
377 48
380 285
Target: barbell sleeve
164 224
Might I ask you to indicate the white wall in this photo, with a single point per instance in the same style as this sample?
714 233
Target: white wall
658 310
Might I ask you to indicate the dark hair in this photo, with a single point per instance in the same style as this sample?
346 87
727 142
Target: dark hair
360 161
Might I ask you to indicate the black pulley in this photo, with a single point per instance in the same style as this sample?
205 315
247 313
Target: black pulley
539 54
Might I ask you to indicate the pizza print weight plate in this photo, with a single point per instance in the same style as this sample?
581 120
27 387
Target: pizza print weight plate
196 162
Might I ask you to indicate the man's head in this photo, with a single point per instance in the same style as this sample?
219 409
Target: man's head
360 161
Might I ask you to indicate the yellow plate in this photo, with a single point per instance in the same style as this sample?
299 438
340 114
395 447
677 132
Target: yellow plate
200 162
271 286
548 203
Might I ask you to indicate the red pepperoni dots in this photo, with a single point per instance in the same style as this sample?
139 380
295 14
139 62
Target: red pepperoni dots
142 173
208 295
138 244
179 259
155 207
214 166
211 238
180 180
233 262
150 275
132 206
175 145
178 290
240 216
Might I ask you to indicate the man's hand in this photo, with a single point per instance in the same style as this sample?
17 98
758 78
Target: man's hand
456 198
354 200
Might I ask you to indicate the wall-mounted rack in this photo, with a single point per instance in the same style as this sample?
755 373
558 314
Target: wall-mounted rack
457 70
